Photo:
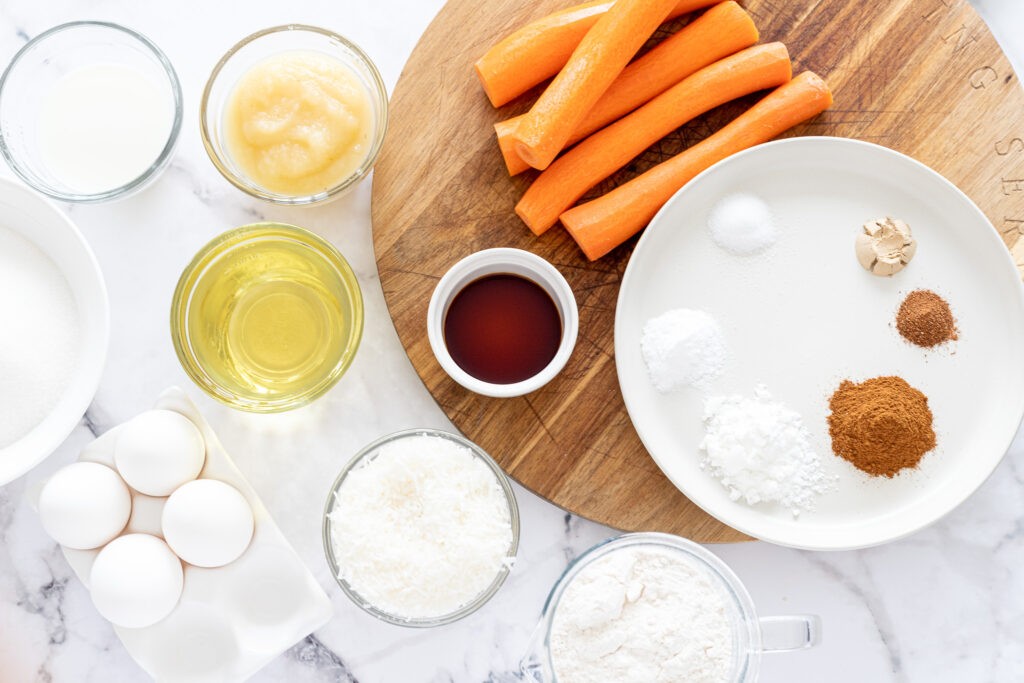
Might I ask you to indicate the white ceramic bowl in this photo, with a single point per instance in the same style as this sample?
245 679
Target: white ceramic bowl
492 262
43 224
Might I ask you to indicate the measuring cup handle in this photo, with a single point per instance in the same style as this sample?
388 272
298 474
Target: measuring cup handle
797 632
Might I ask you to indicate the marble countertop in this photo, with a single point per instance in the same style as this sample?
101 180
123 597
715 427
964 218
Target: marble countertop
946 604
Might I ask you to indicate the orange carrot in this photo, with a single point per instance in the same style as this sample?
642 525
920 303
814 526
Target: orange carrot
719 32
588 163
606 222
539 50
595 63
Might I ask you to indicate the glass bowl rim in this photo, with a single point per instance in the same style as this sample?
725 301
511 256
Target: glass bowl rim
183 292
378 92
477 602
154 168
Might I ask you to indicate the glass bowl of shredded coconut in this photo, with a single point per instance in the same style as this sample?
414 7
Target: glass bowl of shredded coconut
421 528
655 608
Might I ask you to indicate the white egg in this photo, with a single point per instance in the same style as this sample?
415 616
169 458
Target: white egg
84 505
208 523
136 581
158 451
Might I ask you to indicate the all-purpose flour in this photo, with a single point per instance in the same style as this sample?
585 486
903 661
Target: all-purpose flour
643 615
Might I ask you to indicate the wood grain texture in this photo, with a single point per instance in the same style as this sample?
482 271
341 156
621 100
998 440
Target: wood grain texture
924 77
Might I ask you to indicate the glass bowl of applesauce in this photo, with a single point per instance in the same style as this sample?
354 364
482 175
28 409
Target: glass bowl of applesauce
294 115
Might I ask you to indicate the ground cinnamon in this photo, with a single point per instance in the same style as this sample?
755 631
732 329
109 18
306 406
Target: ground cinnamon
925 319
881 425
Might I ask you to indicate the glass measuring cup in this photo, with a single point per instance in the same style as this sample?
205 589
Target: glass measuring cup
752 636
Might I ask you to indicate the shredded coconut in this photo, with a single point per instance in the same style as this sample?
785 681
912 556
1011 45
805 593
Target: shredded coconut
643 615
39 338
760 450
421 529
682 347
742 224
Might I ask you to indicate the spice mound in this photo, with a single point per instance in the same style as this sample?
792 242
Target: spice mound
885 246
881 426
925 319
760 450
682 347
639 615
421 529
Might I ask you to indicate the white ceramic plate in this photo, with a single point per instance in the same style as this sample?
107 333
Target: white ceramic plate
42 223
804 315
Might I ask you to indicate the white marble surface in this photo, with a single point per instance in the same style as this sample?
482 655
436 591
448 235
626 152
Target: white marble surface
944 605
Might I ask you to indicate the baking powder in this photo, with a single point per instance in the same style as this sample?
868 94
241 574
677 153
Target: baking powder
682 347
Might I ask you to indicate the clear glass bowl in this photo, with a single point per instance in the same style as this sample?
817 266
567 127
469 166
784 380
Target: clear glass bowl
244 242
257 47
368 453
752 636
49 57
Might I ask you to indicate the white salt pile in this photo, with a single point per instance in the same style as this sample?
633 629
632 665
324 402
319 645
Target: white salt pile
742 224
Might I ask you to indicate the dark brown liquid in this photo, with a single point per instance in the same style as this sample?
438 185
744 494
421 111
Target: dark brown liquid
502 329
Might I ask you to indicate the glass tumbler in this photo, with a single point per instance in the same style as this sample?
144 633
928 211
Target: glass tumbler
752 635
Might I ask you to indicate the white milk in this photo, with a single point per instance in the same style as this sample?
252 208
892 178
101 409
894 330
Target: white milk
102 126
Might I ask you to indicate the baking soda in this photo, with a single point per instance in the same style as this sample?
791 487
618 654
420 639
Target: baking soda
760 450
39 336
643 615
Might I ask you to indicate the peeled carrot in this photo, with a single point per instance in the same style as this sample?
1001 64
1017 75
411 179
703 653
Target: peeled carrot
600 225
718 33
588 163
539 50
595 63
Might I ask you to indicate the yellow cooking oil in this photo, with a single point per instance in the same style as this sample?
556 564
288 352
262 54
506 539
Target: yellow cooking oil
273 317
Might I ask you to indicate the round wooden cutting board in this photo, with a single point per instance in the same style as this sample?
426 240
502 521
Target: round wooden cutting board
924 77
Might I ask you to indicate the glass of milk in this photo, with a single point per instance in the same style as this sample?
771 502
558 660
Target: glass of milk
89 111
614 602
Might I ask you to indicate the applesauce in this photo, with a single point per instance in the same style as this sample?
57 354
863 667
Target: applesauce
298 122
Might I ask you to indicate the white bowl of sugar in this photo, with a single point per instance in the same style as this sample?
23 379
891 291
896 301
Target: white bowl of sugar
54 330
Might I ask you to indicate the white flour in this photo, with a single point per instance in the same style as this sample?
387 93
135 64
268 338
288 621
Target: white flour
760 450
682 347
421 529
39 336
643 615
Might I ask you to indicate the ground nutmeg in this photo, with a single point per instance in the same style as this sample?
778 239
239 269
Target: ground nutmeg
881 425
924 318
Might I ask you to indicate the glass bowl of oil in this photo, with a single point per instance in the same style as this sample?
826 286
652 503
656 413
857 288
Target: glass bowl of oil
267 317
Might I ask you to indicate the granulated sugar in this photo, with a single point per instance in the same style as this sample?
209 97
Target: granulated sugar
643 615
682 347
39 336
760 450
421 529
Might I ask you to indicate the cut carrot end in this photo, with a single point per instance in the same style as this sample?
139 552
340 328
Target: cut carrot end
506 143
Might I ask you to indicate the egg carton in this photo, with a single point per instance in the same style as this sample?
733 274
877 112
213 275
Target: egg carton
231 620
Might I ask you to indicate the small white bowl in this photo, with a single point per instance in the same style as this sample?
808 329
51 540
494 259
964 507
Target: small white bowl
43 224
493 262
